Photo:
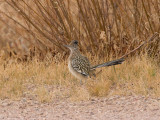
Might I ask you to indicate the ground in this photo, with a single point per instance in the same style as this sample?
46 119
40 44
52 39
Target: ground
113 108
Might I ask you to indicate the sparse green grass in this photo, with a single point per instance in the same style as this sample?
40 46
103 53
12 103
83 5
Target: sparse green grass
138 76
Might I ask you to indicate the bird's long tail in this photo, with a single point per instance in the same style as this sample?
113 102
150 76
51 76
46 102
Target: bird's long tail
110 63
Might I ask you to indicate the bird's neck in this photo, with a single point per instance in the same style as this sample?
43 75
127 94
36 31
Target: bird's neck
74 53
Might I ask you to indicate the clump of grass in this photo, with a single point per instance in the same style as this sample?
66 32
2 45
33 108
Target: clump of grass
43 95
99 87
78 93
11 89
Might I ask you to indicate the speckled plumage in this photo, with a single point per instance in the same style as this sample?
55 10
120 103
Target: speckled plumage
78 65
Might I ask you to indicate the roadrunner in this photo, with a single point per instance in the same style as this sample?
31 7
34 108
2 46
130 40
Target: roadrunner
79 65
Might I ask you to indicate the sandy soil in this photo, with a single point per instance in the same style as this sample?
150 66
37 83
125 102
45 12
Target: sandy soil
113 108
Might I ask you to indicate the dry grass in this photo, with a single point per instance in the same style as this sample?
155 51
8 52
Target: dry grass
45 83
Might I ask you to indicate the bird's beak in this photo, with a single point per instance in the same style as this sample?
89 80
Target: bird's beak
67 46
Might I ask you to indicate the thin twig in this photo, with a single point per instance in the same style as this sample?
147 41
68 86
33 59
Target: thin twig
152 38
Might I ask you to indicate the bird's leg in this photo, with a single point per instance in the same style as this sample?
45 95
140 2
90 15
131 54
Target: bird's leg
92 73
81 82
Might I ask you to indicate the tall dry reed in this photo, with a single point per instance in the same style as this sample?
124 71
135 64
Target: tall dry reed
104 28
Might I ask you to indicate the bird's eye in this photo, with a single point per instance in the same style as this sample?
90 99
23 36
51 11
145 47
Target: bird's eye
75 42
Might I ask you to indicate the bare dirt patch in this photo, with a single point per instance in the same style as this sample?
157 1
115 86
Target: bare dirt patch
113 108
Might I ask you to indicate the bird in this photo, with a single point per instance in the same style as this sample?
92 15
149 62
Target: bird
79 65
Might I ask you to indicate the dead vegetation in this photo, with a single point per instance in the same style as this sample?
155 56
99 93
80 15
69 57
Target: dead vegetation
104 28
33 59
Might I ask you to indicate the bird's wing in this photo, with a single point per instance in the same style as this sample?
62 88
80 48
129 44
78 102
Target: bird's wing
81 65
